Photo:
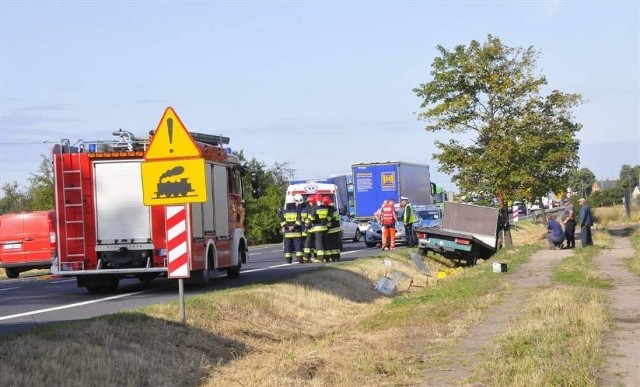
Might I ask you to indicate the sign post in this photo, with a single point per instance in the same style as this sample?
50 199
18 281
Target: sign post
173 175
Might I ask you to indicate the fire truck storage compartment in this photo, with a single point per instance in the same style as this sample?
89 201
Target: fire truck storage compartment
123 222
221 200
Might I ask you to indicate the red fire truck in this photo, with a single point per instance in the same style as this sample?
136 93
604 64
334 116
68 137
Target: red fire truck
106 232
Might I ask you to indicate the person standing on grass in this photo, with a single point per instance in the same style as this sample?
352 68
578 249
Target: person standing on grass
569 222
555 234
388 220
408 218
586 221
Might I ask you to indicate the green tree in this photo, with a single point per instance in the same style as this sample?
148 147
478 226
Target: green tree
14 198
629 176
523 143
41 189
262 222
581 180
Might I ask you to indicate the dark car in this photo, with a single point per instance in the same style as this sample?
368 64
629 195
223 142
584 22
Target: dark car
429 215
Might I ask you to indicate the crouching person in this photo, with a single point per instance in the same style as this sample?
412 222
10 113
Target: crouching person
555 234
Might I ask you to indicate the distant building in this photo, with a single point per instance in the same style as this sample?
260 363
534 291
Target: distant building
636 192
601 185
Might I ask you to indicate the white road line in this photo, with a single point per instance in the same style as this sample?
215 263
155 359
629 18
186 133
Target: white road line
108 298
251 254
275 251
12 316
269 267
15 287
63 281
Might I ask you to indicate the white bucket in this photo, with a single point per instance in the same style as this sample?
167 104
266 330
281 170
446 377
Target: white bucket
499 267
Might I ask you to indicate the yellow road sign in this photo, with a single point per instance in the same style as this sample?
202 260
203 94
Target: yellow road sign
171 139
173 182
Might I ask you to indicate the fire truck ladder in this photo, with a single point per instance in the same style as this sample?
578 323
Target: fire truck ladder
73 198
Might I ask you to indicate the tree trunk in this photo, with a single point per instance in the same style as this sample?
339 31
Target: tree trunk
505 211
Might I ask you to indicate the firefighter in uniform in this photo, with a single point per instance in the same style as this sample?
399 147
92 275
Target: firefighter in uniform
333 234
318 218
309 237
388 221
292 230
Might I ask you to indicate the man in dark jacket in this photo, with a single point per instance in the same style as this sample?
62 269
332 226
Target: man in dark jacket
569 222
586 221
555 234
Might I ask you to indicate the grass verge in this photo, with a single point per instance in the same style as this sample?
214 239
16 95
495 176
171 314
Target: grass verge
634 262
579 270
556 341
327 327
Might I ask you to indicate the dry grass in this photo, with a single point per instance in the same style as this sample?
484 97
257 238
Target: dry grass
326 327
634 262
557 341
615 216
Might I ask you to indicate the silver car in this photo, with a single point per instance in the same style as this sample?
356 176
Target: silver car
373 235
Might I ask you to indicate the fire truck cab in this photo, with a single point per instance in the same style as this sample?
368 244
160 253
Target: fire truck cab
105 231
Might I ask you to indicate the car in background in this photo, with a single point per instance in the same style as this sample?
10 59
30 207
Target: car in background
373 235
429 216
522 208
27 241
350 230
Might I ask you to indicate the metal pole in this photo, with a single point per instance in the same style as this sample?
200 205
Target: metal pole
183 318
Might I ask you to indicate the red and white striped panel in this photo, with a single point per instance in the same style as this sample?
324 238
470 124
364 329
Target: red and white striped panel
516 213
177 246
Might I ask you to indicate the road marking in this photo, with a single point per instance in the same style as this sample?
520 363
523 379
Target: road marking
275 251
269 267
353 251
15 287
250 254
63 281
62 307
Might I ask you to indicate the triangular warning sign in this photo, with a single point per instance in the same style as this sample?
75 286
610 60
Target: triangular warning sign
171 140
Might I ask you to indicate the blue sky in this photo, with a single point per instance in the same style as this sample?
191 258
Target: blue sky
321 85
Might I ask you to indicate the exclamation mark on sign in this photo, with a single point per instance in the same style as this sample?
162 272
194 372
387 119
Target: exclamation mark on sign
170 127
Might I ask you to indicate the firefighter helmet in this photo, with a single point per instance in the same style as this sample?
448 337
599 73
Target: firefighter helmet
326 201
311 200
289 199
298 198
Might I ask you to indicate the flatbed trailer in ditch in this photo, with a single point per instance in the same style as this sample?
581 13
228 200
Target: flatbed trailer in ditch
468 232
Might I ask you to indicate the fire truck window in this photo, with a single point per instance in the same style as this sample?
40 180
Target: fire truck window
233 185
230 180
238 179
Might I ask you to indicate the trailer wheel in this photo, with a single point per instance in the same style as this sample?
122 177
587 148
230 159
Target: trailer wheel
370 244
473 258
12 272
356 238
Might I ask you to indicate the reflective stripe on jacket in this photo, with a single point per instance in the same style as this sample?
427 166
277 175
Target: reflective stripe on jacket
318 219
409 215
387 214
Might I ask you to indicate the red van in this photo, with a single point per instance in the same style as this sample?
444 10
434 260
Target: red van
27 241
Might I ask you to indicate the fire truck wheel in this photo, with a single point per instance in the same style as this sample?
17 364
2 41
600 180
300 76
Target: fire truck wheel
199 277
146 278
12 272
234 272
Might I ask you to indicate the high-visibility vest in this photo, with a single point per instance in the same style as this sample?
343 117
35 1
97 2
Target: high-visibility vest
409 215
387 215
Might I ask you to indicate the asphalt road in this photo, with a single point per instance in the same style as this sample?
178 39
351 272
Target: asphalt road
26 303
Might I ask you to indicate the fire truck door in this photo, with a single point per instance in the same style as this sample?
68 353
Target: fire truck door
221 200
